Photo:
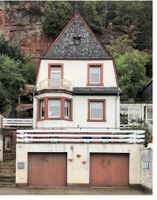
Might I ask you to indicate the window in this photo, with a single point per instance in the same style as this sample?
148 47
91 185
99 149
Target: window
95 74
59 108
67 108
135 114
41 108
55 75
76 40
96 110
54 108
8 143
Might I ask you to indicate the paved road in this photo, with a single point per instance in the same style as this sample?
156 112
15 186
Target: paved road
71 191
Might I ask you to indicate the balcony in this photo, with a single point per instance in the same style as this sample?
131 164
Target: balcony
50 84
74 135
12 122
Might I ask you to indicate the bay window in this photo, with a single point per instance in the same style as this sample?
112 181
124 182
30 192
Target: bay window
41 108
55 108
67 108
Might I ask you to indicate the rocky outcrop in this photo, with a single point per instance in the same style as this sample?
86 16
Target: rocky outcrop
21 23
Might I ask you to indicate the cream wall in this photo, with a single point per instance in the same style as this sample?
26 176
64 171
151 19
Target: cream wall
76 71
80 112
146 171
78 173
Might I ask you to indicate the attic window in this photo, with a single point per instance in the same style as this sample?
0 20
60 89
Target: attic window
76 40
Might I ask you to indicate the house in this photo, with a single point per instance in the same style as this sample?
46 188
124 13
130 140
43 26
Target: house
77 138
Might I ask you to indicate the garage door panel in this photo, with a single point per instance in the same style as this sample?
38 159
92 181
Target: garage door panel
109 169
47 169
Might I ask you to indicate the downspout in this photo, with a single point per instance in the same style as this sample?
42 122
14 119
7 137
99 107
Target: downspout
34 109
116 102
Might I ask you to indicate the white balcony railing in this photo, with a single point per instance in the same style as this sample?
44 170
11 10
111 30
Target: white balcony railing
80 136
50 84
11 122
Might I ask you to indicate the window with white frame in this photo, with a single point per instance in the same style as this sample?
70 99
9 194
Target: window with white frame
135 114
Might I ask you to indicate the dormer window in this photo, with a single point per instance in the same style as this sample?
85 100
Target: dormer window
76 40
95 75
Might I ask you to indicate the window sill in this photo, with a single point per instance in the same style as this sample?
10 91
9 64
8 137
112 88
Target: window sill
95 84
65 119
96 120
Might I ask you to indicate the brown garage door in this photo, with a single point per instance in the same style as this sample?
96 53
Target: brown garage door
109 169
47 169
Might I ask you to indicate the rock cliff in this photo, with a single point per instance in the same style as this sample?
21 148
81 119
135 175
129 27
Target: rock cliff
21 23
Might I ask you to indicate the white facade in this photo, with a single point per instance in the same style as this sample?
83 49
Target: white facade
80 112
77 173
76 71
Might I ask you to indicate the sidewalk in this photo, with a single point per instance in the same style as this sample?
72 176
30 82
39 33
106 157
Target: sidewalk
71 191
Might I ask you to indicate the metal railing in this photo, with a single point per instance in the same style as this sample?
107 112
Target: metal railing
80 136
51 84
12 122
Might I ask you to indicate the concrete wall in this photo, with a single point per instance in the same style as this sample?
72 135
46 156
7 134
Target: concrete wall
78 173
76 71
80 112
146 167
1 147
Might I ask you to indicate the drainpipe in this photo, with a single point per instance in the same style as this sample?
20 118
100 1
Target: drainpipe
116 110
34 109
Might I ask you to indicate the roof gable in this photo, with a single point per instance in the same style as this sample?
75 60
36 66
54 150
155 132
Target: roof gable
77 41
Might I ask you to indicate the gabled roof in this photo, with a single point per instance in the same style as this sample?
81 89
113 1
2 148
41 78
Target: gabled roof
87 45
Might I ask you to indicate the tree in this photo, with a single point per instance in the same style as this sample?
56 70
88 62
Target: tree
132 72
11 81
134 19
57 14
28 71
131 66
10 49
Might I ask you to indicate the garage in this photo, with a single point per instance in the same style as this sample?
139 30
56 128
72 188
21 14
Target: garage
109 169
47 169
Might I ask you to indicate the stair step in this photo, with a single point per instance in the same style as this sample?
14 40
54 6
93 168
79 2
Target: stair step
7 183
